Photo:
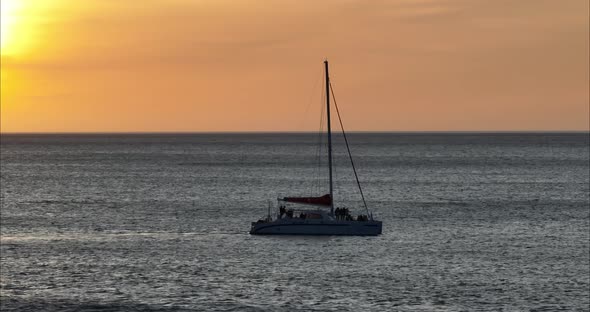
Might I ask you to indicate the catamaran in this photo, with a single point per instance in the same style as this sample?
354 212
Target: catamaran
319 220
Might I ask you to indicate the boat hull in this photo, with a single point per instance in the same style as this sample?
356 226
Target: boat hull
350 228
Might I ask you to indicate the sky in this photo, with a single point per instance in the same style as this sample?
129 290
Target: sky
245 65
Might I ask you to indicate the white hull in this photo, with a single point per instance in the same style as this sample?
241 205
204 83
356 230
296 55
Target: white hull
312 227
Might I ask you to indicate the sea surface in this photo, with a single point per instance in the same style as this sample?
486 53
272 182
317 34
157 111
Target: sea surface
159 222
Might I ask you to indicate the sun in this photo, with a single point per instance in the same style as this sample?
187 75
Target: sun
9 18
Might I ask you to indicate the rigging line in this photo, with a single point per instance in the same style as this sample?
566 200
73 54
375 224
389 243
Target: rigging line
310 99
348 149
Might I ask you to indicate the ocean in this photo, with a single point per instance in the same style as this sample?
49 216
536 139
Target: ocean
159 222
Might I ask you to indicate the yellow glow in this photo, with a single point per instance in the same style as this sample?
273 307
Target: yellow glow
9 18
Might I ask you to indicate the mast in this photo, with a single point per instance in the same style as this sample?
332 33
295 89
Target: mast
329 138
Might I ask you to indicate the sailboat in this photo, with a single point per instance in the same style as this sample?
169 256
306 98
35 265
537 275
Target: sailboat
318 220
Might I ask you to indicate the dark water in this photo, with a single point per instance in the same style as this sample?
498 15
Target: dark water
472 222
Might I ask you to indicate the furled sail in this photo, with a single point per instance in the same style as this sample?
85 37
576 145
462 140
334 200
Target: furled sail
325 200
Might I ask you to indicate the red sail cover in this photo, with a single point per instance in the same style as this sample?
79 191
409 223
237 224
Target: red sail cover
325 200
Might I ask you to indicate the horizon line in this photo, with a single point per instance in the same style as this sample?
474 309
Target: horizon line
296 132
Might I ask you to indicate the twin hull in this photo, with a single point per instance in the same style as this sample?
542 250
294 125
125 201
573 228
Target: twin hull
290 227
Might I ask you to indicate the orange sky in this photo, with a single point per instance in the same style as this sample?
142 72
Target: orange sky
210 65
